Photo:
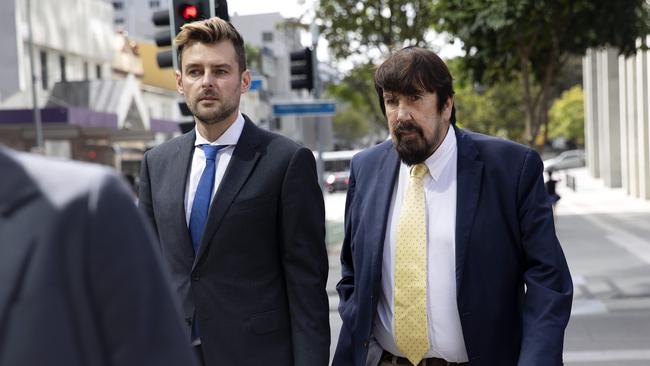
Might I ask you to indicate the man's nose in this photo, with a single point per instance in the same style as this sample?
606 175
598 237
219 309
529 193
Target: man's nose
208 79
403 112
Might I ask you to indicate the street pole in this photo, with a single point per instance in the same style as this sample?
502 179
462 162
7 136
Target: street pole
315 34
32 59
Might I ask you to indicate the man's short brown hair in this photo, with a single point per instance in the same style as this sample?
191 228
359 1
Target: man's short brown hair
210 31
411 71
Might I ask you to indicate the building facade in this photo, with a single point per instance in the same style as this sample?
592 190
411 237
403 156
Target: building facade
617 125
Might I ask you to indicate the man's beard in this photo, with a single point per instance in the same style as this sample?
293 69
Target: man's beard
212 116
413 149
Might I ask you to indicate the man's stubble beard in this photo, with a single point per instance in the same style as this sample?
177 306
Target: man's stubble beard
212 116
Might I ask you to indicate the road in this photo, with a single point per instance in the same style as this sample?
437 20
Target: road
606 237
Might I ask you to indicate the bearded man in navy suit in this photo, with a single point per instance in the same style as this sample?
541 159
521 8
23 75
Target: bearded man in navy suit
495 286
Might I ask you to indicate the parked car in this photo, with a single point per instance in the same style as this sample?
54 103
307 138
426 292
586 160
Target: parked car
566 160
336 181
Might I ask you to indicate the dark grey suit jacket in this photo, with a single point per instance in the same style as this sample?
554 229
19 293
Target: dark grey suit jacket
80 280
258 282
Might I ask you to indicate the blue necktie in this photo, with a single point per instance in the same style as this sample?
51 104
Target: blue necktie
201 206
203 195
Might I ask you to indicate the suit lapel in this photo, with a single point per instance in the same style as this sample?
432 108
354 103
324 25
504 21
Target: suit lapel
243 160
16 191
469 176
181 162
386 176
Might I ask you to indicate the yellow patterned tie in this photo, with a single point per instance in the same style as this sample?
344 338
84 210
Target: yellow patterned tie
410 291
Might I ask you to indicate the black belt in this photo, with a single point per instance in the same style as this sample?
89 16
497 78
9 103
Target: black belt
401 361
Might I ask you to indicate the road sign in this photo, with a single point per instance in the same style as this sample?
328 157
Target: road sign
305 108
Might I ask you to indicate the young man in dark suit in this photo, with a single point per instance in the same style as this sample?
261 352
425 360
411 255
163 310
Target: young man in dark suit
450 255
81 281
239 216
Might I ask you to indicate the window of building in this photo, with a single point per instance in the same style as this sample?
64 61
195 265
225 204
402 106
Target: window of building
43 57
267 36
85 70
62 66
98 71
119 20
117 5
154 4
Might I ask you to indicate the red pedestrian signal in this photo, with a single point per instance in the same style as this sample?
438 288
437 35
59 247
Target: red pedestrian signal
189 12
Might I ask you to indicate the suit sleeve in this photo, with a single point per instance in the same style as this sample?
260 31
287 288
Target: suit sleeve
137 316
145 202
304 258
549 288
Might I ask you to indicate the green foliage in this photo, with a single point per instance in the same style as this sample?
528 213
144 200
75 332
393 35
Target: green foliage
357 89
360 27
501 34
530 41
253 57
350 125
494 110
567 116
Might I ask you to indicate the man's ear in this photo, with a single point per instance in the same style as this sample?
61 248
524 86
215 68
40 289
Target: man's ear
245 81
179 82
446 111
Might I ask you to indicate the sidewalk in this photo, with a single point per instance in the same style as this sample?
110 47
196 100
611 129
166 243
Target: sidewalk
605 234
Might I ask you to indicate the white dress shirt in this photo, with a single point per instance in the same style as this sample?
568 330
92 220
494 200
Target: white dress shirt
445 333
230 138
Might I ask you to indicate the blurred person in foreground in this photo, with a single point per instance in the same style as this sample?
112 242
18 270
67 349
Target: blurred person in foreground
240 218
80 280
450 255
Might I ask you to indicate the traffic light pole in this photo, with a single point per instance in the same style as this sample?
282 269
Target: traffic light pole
317 91
32 59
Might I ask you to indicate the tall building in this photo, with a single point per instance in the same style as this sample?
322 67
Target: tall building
88 82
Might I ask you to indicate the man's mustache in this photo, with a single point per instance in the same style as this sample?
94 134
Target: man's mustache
408 127
209 93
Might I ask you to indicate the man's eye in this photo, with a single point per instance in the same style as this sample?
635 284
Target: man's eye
390 100
193 72
414 98
222 72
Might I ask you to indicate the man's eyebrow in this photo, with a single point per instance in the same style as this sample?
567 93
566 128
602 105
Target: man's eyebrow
221 65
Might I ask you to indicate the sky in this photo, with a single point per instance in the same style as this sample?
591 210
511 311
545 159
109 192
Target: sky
288 8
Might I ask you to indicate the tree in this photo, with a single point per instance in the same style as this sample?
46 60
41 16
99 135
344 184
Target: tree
567 116
373 26
532 40
350 125
358 90
493 109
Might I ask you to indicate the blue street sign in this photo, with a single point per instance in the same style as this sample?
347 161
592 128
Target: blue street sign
256 84
307 108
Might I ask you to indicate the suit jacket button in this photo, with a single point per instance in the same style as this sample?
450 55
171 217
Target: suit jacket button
365 344
188 321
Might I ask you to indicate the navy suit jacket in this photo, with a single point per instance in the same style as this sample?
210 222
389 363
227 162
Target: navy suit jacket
505 239
257 284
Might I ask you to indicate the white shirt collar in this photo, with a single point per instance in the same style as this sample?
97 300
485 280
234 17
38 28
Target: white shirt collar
438 160
229 136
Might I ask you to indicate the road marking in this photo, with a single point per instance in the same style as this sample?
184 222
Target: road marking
634 244
610 355
588 307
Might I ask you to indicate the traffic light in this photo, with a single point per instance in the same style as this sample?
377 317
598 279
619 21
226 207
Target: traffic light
179 13
302 69
163 38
